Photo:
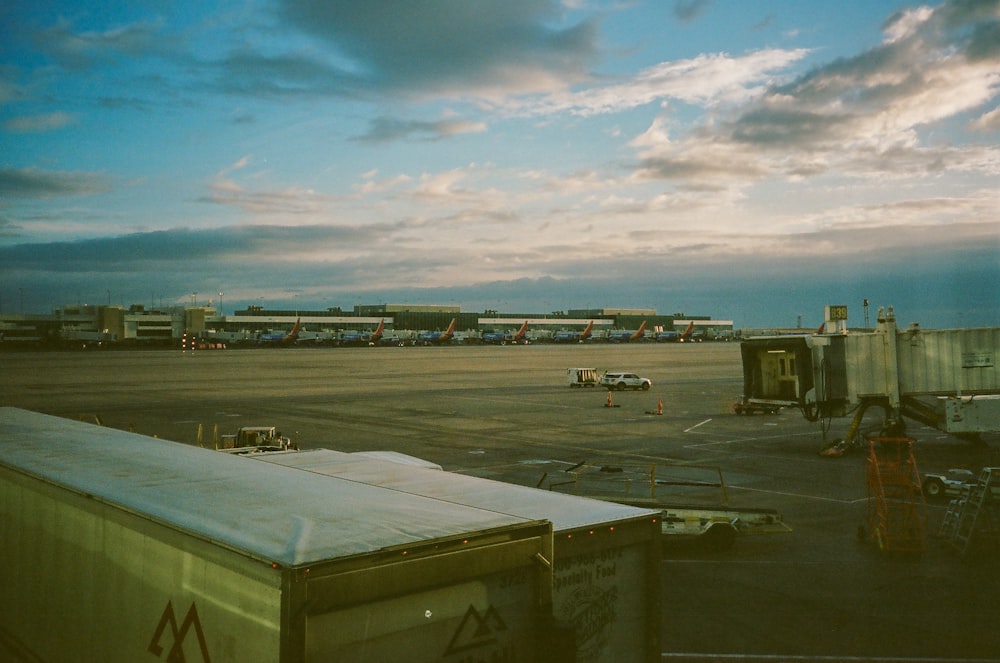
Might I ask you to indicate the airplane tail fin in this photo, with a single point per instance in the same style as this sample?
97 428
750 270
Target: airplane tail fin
451 330
294 334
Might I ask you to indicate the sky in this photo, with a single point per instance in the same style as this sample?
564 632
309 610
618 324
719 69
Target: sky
750 161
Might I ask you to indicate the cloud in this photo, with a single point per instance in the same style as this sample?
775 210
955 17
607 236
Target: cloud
384 129
75 49
706 80
866 114
39 123
41 184
688 10
452 47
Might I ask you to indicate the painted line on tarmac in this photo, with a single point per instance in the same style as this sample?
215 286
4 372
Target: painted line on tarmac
688 430
737 440
799 495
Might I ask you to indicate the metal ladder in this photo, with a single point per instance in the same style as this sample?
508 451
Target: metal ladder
897 515
949 524
973 514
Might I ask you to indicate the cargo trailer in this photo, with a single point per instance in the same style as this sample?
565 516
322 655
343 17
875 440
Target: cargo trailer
606 556
120 547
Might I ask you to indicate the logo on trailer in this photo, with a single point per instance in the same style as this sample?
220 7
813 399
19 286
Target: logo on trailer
175 654
476 630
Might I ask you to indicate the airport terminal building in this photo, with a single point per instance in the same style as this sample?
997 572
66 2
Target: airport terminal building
89 325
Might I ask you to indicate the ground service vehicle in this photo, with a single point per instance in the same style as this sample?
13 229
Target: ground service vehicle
581 377
606 588
120 547
259 437
622 381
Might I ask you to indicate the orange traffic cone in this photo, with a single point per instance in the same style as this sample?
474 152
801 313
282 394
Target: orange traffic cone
609 403
659 406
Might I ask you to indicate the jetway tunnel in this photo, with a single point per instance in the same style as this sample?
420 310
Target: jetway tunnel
947 379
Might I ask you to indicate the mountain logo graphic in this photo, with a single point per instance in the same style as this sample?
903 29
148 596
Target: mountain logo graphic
476 630
176 652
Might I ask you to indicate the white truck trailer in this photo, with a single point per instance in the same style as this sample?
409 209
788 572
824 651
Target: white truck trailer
120 547
606 556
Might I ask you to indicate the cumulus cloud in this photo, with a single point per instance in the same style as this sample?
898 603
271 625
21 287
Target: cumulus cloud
865 114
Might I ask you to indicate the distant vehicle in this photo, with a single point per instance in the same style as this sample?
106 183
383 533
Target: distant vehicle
503 338
574 337
628 336
364 338
282 338
676 336
623 381
581 377
255 438
437 338
938 486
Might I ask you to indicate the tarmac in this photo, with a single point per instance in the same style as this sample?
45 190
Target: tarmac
822 591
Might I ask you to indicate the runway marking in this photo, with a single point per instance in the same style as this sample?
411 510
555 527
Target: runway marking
688 430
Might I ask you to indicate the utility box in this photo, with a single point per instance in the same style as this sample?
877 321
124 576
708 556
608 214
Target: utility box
119 547
970 414
606 556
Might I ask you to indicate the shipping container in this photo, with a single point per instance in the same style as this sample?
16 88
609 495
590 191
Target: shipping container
120 547
606 556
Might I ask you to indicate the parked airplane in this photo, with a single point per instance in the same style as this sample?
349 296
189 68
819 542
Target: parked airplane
628 336
676 336
431 338
280 338
503 338
364 338
574 337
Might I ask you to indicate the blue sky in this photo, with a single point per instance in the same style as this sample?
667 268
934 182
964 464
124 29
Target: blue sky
751 161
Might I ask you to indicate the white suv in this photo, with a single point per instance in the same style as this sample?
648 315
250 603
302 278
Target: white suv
623 381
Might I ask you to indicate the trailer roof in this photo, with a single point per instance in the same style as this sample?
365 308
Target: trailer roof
565 512
267 511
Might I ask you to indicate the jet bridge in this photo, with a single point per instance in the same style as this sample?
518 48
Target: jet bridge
946 378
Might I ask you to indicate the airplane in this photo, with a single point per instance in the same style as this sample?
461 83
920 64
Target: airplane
628 336
364 338
574 337
432 338
503 338
675 336
281 338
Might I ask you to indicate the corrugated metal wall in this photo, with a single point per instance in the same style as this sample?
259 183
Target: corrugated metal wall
948 361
